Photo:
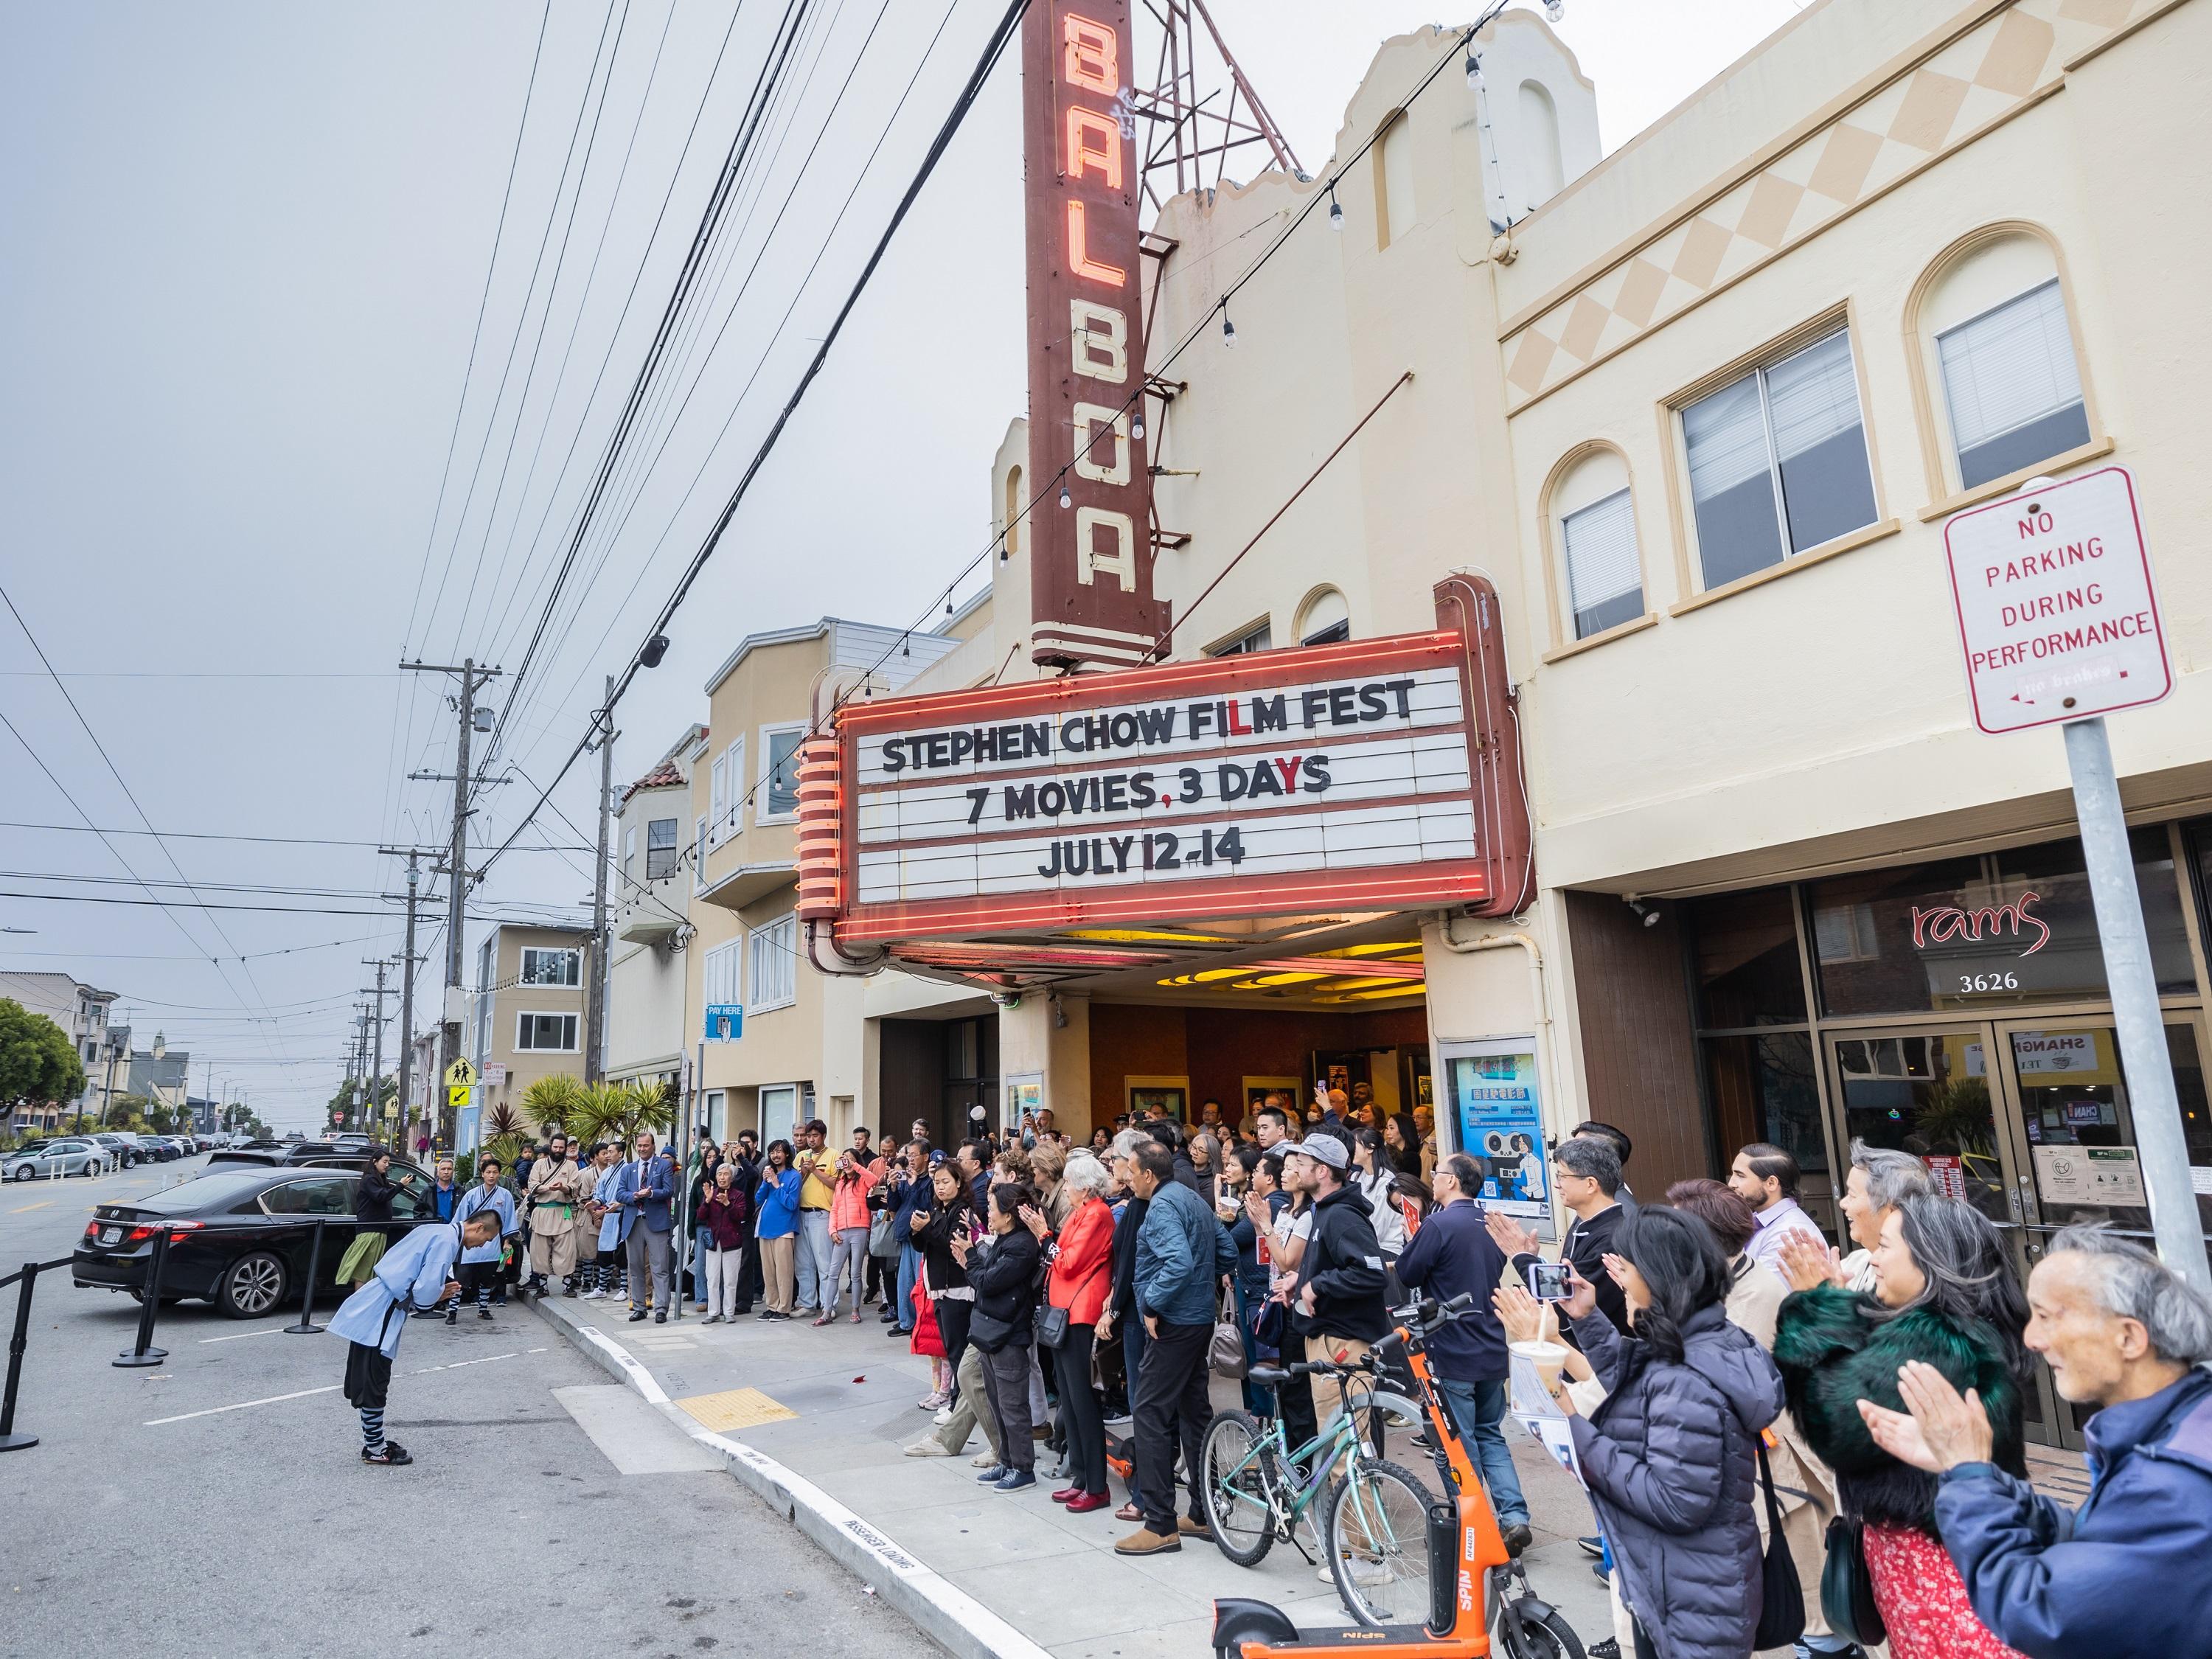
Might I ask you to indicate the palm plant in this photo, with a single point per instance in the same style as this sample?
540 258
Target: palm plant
600 1112
549 1102
501 1122
652 1106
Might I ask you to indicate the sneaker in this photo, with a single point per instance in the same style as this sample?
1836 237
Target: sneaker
994 1474
392 1455
932 1401
712 1319
1018 1478
1608 1649
896 1335
1145 1542
944 1416
1592 1545
453 1315
1518 1537
930 1446
986 1459
483 1313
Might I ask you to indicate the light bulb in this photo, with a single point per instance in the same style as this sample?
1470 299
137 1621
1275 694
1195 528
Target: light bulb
1555 9
1335 210
948 604
1228 331
1066 499
1473 72
1136 426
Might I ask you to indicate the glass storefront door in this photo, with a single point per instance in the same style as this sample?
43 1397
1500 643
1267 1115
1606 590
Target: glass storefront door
2029 1121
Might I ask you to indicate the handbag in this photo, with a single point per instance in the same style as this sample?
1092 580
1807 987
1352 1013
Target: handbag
987 1331
1847 1588
1224 1354
883 1239
1781 1605
1051 1326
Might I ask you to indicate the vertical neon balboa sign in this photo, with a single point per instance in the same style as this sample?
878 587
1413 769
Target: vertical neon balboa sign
1090 546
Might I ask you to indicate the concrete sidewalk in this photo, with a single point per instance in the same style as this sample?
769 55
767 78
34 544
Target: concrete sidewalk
835 1407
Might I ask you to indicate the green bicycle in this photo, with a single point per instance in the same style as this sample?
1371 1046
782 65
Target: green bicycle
1258 1489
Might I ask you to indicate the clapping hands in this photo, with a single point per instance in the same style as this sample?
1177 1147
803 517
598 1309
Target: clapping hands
1512 1237
1809 1262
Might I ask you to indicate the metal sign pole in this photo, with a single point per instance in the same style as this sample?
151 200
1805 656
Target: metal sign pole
2144 1060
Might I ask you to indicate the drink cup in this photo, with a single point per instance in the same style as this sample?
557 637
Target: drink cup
1549 1358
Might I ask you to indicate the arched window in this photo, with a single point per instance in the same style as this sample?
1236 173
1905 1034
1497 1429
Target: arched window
1324 619
1537 168
1394 181
1015 503
1999 356
1590 512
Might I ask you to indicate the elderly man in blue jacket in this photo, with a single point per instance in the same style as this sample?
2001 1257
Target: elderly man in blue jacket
1183 1254
642 1192
2128 1575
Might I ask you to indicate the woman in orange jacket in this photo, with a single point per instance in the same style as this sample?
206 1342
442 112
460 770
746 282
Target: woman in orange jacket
1082 1273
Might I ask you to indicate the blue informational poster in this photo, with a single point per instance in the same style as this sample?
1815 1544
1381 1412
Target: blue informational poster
1498 1113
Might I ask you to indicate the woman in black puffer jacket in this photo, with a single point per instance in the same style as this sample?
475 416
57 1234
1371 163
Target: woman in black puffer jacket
1667 1456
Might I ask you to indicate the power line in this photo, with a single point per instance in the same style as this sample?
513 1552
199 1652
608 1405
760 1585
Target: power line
273 841
263 909
993 50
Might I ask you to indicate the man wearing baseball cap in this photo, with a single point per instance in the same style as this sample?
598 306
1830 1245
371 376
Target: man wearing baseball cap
1336 1302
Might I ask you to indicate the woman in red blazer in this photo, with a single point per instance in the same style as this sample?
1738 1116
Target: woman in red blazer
1081 1274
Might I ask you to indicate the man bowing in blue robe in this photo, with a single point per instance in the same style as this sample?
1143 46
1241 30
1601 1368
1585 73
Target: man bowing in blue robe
416 1273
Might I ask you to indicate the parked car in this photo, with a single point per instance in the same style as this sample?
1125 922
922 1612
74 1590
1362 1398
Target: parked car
241 1236
186 1145
277 1151
153 1148
124 1152
67 1157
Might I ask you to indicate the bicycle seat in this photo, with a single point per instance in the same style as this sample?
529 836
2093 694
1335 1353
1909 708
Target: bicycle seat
1268 1377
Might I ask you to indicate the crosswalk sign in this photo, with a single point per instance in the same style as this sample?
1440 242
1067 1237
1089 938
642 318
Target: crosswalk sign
461 1074
457 1098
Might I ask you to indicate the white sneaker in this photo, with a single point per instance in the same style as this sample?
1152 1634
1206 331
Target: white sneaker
943 1417
593 1295
984 1459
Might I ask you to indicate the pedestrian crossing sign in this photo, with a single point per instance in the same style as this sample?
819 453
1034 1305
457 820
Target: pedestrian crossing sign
461 1074
457 1098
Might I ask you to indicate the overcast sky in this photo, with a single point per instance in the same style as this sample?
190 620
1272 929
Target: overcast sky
247 249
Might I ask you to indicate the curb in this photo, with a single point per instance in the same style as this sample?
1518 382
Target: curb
960 1624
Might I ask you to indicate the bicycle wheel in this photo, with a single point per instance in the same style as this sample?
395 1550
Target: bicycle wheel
1375 1526
1240 1485
1549 1637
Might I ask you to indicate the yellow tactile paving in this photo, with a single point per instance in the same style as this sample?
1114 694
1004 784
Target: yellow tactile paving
735 1408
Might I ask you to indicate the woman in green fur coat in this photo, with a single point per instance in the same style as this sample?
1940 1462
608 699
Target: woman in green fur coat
1945 1293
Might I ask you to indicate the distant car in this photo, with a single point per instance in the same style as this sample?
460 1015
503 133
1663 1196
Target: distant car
67 1157
186 1145
154 1148
279 1152
240 1237
124 1152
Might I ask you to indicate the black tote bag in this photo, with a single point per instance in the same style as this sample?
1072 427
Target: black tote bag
1782 1609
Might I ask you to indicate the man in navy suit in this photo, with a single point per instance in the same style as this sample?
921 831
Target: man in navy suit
642 1191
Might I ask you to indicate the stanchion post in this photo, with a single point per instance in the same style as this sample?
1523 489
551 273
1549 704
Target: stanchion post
306 1327
143 1353
9 1440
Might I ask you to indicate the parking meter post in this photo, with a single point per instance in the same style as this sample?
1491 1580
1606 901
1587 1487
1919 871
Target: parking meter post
306 1327
17 1341
143 1353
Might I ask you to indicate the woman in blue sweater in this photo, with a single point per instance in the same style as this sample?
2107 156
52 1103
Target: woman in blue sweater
776 1201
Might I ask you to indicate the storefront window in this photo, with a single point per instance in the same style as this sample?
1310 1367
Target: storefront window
1763 1089
1968 934
1745 945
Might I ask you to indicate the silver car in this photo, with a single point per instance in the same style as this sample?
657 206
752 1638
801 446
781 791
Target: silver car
67 1157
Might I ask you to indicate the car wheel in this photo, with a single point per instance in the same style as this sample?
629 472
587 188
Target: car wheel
91 1166
23 1172
252 1285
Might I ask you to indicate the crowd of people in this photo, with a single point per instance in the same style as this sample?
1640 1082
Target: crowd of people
1746 1405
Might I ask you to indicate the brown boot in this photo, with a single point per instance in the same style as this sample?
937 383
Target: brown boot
1145 1542
1190 1528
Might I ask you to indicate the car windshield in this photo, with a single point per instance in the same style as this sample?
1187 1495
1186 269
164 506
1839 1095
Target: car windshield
207 1192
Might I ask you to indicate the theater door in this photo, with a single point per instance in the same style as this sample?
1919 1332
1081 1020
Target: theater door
2028 1119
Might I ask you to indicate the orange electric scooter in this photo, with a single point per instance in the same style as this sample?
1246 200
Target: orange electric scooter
1479 1603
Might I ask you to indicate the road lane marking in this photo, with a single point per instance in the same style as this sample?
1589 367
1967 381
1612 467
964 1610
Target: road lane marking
239 1336
243 1404
40 1204
457 1364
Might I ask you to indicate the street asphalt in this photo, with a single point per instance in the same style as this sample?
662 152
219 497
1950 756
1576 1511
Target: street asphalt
218 1505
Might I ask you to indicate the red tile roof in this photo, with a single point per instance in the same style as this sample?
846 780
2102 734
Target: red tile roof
663 776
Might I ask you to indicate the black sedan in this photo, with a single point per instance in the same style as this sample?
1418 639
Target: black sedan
240 1237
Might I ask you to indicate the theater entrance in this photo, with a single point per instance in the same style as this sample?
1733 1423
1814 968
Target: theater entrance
2028 1119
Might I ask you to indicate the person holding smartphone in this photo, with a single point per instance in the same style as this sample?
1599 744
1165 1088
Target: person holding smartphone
1588 1179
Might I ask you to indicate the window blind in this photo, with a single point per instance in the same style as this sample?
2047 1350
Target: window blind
1601 562
2009 366
1812 397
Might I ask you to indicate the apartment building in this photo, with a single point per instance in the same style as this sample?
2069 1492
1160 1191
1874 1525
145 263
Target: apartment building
650 923
83 1013
526 1014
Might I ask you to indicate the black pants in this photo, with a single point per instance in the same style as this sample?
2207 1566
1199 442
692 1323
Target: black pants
1080 1418
750 1287
952 1326
1172 1399
879 1283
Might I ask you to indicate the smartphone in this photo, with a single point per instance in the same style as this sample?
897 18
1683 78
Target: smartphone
1547 1281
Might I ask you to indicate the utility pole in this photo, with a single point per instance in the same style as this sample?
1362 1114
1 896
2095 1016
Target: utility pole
595 1059
407 959
449 1045
376 1065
